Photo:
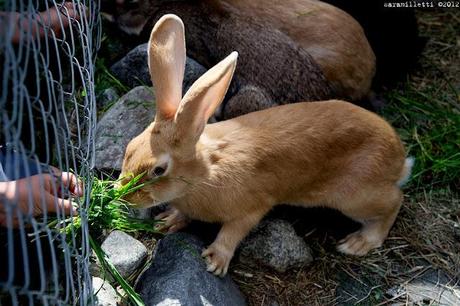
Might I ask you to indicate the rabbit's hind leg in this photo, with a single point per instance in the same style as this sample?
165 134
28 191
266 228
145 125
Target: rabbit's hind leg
376 216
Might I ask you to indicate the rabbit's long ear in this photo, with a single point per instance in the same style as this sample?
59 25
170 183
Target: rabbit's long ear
203 97
166 55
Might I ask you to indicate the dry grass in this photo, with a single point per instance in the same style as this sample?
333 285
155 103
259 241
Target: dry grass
426 235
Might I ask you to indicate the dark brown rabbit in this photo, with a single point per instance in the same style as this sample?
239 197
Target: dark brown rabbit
274 67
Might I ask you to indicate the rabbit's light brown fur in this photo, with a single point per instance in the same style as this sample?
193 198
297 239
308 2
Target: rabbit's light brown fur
329 153
333 38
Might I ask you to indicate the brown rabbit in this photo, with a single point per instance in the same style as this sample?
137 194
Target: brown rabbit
323 51
333 38
330 153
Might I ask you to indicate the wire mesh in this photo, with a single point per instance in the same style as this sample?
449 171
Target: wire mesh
47 122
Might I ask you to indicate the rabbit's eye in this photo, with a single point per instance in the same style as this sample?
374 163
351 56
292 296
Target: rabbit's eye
161 165
159 171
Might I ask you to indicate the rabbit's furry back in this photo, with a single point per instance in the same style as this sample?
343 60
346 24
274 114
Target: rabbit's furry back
269 59
332 37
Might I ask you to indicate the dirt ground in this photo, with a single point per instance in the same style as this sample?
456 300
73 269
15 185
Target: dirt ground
420 262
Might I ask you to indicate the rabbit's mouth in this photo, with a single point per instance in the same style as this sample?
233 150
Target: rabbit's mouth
142 199
166 197
139 199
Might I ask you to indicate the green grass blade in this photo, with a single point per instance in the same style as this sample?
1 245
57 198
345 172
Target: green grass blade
109 267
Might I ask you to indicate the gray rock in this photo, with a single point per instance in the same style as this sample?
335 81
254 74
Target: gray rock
107 97
433 287
275 243
105 295
132 70
193 70
177 276
433 294
359 289
124 252
127 118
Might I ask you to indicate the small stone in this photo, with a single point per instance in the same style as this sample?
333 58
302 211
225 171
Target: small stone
104 293
177 276
274 243
126 119
124 252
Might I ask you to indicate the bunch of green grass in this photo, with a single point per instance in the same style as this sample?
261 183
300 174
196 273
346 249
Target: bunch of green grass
109 211
428 121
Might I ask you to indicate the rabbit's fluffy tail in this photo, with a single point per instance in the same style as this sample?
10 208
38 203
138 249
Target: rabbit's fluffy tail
406 172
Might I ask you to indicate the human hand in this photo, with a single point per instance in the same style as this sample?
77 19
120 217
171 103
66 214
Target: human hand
56 19
39 194
53 18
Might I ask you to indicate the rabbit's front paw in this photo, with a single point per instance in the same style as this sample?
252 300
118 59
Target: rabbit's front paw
359 243
173 220
217 259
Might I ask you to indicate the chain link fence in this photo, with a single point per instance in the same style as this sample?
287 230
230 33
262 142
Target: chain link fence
47 122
